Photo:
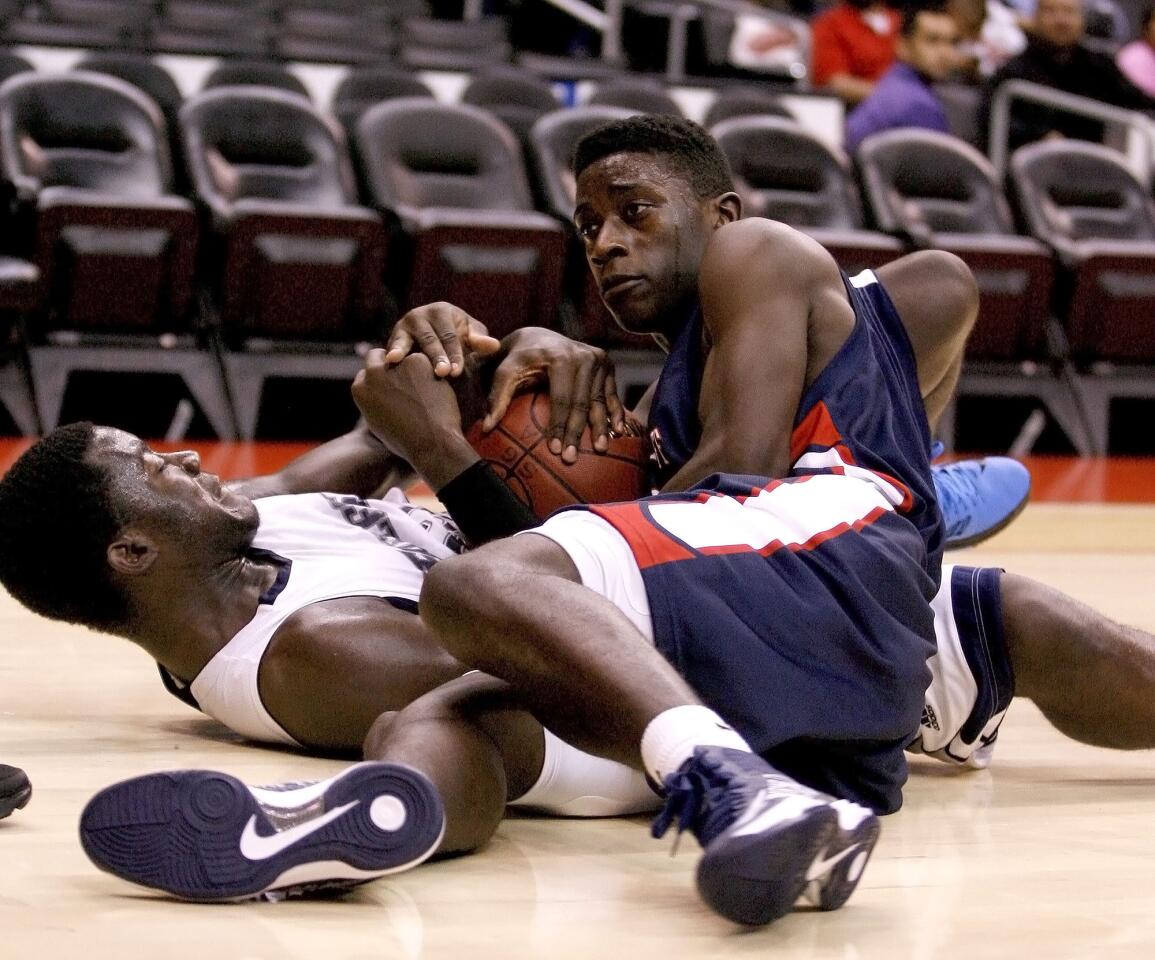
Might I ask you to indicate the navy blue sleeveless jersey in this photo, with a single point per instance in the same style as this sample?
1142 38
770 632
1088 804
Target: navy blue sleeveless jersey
799 608
864 411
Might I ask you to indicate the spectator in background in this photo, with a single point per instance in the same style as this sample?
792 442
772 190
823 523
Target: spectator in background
852 46
927 52
1056 57
1137 59
990 33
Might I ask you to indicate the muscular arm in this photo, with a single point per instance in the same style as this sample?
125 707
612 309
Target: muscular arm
356 463
334 667
757 285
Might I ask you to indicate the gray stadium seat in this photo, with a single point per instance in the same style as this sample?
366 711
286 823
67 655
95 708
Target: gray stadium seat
89 159
1082 201
786 173
454 177
299 262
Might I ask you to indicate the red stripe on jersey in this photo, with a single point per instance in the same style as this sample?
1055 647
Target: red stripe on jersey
818 429
651 545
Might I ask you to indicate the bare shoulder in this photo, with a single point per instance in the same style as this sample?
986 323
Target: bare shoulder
746 250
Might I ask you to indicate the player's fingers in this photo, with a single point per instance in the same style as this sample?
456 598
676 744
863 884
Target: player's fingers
563 372
614 407
426 338
598 418
398 345
579 410
447 356
505 383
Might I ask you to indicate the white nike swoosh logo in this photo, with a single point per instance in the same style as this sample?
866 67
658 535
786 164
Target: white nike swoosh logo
821 867
256 847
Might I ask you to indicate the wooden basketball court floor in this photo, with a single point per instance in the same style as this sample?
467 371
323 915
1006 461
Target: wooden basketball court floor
1048 854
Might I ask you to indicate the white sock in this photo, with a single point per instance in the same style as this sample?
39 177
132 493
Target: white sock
670 738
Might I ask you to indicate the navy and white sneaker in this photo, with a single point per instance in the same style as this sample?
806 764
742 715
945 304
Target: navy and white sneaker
201 835
15 790
767 840
978 498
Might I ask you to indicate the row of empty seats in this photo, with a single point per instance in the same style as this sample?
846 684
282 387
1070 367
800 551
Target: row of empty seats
319 30
285 252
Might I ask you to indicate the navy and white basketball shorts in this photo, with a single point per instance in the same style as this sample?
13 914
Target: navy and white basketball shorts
813 646
972 680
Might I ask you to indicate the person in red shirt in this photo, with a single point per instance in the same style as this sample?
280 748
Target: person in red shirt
853 45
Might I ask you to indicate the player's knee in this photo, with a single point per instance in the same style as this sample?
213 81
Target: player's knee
378 736
449 590
956 292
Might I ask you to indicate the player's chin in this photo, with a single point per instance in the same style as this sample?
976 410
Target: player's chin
636 316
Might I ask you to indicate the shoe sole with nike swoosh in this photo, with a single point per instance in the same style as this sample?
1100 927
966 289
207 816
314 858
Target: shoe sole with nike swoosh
206 836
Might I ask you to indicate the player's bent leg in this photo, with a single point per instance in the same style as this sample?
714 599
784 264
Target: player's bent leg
937 297
15 790
516 609
475 744
1094 679
206 836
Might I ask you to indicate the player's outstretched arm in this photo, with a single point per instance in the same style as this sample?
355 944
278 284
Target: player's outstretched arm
757 286
356 463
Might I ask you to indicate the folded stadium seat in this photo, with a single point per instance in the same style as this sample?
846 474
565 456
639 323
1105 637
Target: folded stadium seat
84 23
12 64
334 32
147 75
785 172
1083 201
89 160
364 87
464 45
454 177
238 28
300 264
552 141
939 192
255 73
512 94
745 102
636 94
20 295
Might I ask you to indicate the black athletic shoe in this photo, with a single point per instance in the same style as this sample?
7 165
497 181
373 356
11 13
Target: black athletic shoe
15 790
767 839
200 835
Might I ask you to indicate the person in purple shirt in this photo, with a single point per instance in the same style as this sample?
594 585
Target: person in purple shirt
904 97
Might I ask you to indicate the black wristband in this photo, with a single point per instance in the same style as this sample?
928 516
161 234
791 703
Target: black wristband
483 506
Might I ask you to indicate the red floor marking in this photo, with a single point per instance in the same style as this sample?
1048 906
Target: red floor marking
1055 479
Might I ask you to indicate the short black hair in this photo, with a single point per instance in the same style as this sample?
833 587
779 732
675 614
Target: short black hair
694 154
57 519
910 15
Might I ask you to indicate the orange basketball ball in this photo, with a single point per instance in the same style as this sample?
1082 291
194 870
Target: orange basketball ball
518 450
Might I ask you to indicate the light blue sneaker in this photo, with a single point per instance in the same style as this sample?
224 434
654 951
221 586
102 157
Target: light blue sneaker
979 497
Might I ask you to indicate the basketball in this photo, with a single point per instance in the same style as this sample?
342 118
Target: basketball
518 450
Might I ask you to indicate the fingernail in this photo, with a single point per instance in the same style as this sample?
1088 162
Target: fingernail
571 454
601 443
555 446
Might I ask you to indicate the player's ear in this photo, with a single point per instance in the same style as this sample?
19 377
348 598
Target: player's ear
132 552
727 209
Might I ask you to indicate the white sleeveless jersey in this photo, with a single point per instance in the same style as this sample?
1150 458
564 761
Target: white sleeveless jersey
327 546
